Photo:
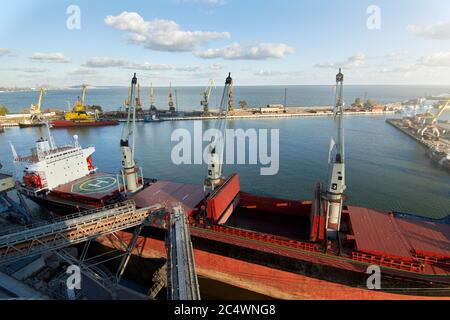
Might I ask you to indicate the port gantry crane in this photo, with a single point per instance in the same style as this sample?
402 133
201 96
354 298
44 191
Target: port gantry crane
79 111
152 99
206 95
35 110
430 123
170 98
334 196
216 148
129 171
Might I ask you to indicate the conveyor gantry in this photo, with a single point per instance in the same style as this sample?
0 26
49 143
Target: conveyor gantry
19 243
181 271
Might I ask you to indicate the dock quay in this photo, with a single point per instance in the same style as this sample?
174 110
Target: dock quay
296 114
442 144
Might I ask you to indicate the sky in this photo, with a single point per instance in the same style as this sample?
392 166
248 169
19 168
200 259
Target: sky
189 42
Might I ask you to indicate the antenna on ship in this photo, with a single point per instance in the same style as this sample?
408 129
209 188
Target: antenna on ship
129 170
334 196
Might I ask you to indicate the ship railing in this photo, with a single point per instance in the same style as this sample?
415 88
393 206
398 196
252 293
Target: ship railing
306 246
388 262
432 260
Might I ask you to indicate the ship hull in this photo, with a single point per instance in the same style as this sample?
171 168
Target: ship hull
71 124
31 125
257 277
268 269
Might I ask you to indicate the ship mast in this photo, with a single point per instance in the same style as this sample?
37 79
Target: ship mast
129 169
336 186
216 147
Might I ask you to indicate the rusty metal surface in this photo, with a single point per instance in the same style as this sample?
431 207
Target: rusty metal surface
383 234
170 193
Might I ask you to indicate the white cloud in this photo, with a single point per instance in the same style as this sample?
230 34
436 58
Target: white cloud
407 68
259 51
82 72
398 55
440 59
29 70
275 73
149 67
105 62
4 52
188 68
161 35
216 66
49 57
356 61
439 31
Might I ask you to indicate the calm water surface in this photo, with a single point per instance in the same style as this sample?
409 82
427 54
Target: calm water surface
385 169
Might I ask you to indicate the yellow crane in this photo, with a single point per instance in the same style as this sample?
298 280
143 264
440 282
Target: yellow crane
35 110
36 118
430 127
79 111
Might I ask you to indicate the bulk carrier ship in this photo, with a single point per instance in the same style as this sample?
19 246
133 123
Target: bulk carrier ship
315 249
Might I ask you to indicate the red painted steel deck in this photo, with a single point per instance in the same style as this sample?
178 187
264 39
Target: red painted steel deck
383 234
170 193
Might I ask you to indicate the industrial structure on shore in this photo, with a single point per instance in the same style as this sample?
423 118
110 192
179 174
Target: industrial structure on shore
281 248
427 130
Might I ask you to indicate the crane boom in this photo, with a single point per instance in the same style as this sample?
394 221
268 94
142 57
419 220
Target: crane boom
83 96
336 185
216 147
206 95
35 110
129 169
441 111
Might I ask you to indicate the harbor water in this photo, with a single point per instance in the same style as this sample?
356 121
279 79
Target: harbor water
385 169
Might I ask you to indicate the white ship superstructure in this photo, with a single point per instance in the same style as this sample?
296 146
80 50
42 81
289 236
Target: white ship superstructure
50 166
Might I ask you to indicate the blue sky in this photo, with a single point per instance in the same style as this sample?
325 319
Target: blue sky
261 42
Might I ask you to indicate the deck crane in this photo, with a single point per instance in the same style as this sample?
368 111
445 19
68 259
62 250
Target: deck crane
216 148
35 110
152 99
206 95
170 98
334 196
138 99
430 123
129 169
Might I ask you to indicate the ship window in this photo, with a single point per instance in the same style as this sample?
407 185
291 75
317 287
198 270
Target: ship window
340 178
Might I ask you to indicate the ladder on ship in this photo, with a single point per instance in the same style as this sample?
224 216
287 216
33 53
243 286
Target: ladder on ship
183 281
17 244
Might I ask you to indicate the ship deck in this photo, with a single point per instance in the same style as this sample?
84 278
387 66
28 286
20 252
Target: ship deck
384 234
170 194
95 188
